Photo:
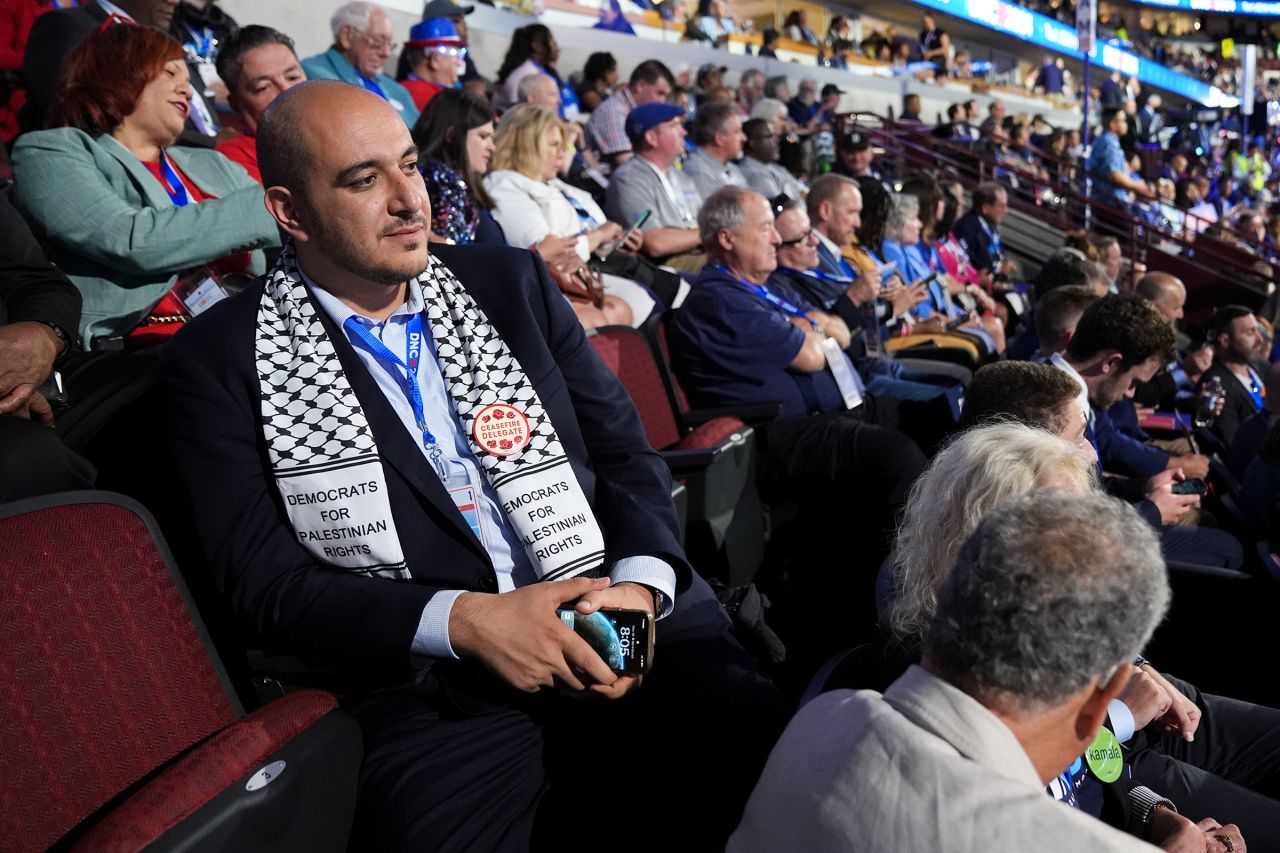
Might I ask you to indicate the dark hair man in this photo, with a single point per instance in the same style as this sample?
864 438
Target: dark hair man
651 82
1108 166
1057 314
979 231
716 130
257 64
1233 332
406 441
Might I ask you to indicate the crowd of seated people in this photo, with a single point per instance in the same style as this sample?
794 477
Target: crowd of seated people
960 468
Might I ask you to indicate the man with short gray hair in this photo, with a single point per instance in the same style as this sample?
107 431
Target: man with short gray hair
1023 656
717 131
362 44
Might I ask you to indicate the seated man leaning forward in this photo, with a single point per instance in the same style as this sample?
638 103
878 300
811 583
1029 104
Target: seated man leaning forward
402 465
1020 662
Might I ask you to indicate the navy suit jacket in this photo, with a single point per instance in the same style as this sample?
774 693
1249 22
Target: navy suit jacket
1236 409
969 231
363 625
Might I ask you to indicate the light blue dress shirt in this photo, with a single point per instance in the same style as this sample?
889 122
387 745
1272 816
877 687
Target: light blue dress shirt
510 561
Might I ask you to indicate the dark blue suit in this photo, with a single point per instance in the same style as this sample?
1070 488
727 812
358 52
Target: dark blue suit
454 758
983 250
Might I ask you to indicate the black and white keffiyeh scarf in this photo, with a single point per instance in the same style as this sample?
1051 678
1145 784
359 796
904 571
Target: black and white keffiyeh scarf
325 459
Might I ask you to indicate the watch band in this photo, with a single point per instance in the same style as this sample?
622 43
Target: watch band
60 332
1143 804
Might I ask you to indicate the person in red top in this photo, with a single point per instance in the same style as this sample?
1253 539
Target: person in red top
433 59
16 19
257 64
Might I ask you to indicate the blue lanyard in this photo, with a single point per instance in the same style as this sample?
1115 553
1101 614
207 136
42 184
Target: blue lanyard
822 276
406 376
1255 388
372 86
587 221
172 183
768 296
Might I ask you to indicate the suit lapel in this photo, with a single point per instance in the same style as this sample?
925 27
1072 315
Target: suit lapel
145 182
395 445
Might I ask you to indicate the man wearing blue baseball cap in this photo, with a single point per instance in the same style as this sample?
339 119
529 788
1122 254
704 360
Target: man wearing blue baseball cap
650 182
432 60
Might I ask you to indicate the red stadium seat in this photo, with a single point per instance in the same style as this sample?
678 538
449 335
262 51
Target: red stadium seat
119 728
715 459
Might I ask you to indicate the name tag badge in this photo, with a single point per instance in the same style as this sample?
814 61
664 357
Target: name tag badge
208 74
840 369
199 291
464 498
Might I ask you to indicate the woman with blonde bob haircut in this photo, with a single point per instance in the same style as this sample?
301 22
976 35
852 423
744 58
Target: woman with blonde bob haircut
980 468
532 204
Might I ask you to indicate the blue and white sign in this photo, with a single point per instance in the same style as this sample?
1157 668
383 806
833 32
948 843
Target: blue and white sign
1044 31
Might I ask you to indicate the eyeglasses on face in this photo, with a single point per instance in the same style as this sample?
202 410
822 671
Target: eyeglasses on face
803 238
383 43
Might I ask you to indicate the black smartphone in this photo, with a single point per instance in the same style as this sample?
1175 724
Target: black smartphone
608 249
1194 486
622 638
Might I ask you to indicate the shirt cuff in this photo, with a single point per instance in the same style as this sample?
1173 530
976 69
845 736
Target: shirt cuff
650 572
432 637
1121 720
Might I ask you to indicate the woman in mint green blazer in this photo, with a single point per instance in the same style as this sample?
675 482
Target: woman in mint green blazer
125 212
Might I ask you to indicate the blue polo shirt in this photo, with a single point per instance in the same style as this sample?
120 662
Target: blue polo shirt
1105 159
730 347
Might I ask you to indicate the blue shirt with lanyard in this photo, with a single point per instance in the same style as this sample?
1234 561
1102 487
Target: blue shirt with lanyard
372 85
769 296
1255 389
172 183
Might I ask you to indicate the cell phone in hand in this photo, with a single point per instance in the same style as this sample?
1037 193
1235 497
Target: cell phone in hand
1194 486
609 248
622 638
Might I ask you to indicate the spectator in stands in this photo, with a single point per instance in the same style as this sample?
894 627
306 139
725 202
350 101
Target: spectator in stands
804 107
1112 259
650 82
362 44
855 158
434 59
717 22
1067 267
599 80
533 50
1049 77
996 114
778 88
775 112
540 90
1218 770
1112 93
797 27
716 130
759 164
750 89
433 776
769 42
1252 435
257 65
1112 181
934 46
732 345
128 214
649 182
39 319
709 78
1058 313
910 108
454 135
1148 120
979 233
1176 168
457 13
1233 330
54 36
532 204
989 700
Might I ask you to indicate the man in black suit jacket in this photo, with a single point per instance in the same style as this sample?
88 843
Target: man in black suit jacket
979 230
56 34
460 737
1233 331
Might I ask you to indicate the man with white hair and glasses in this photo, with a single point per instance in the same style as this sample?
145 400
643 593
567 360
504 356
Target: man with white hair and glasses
362 44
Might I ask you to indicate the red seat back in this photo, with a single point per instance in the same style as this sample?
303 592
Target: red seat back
105 673
627 354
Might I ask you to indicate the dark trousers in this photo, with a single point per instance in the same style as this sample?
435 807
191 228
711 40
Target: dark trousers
35 461
1202 546
460 763
1230 772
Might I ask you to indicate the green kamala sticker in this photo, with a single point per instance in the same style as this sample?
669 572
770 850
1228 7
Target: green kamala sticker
1103 756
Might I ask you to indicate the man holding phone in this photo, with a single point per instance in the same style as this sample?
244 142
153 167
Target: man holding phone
403 465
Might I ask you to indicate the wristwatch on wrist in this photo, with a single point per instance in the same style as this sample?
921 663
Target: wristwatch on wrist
1143 805
60 332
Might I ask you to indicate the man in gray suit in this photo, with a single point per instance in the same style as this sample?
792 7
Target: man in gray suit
1025 651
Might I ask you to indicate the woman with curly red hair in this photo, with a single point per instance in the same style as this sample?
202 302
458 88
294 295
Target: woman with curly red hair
144 228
